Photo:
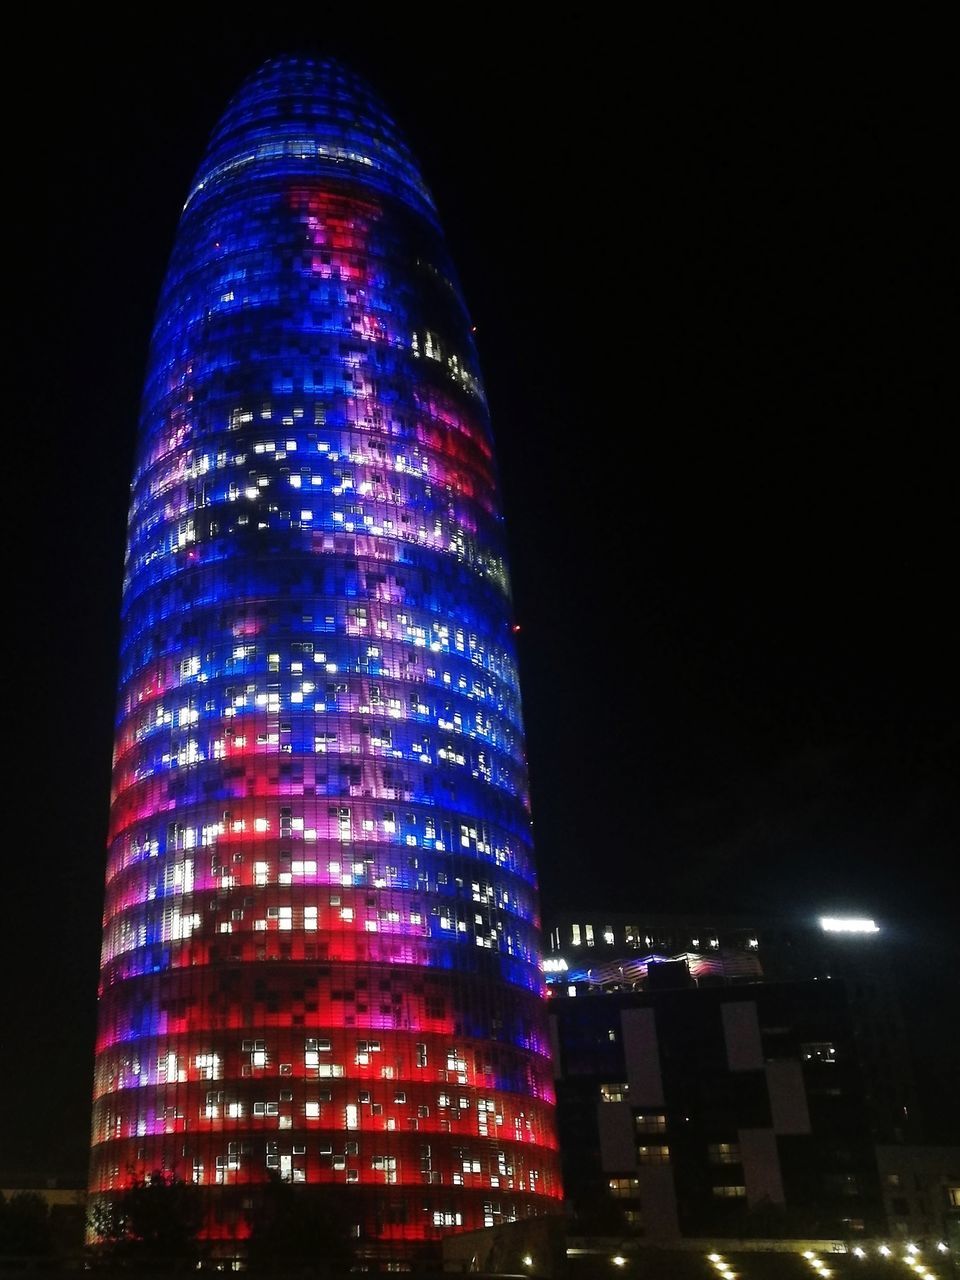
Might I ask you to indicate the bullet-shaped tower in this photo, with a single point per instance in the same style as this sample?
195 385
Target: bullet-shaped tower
321 955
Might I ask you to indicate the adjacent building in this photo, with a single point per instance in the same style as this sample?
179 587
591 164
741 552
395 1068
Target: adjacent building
321 951
736 1078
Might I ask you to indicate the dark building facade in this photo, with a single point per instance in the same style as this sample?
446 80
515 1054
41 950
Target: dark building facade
321 952
728 1078
921 1192
715 1112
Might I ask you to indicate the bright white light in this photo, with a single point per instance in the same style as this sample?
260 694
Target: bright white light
859 1253
885 1251
618 1261
714 1257
848 924
941 1246
527 1260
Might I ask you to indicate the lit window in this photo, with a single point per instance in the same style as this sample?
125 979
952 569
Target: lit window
723 1153
624 1188
614 1092
650 1123
656 1154
818 1051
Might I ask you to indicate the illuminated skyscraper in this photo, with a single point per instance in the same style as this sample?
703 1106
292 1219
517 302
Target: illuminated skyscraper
321 944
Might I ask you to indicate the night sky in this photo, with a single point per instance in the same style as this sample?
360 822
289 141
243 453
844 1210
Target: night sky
709 278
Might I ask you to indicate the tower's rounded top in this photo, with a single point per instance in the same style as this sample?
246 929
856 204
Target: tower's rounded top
310 115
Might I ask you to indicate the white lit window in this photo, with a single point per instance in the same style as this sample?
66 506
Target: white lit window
819 1051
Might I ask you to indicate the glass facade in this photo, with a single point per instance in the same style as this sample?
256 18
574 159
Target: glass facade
321 951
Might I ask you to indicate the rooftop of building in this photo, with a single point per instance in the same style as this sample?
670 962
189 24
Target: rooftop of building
312 116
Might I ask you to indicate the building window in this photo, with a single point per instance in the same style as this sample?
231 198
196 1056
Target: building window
729 1193
647 1123
723 1152
624 1188
657 1154
818 1051
614 1092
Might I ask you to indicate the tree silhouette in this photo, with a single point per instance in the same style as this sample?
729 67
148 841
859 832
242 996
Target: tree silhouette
156 1217
299 1227
24 1225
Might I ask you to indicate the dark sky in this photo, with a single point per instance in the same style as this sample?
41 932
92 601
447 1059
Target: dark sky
709 275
